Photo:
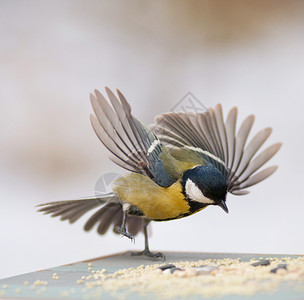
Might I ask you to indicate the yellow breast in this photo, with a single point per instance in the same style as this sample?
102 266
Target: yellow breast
156 202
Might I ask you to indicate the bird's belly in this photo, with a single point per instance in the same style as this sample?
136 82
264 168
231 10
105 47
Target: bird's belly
156 202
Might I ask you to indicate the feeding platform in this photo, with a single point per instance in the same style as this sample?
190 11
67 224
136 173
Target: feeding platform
182 276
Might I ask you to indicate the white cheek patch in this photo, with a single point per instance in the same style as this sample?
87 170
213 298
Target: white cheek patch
195 194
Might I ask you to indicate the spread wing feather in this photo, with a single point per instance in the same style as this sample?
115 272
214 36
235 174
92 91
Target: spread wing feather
258 177
217 142
240 141
133 145
173 129
230 129
222 130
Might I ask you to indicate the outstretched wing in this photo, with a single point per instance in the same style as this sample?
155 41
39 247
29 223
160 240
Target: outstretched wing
217 143
133 146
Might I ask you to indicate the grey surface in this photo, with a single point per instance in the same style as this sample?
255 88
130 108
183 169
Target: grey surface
66 286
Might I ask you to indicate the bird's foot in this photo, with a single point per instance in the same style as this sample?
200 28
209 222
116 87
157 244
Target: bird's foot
150 254
123 231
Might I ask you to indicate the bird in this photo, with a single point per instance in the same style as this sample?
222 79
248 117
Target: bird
177 166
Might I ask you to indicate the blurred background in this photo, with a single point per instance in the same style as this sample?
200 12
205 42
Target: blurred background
54 53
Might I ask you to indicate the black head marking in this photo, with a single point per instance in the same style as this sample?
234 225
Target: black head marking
209 180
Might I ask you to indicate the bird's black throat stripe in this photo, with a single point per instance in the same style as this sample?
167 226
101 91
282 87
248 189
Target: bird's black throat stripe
194 206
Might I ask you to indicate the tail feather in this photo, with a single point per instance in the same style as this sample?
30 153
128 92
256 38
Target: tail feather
135 225
76 213
96 217
107 220
70 210
110 213
117 220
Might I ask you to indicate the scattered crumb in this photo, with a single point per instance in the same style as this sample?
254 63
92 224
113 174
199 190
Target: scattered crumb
40 282
64 294
202 278
205 278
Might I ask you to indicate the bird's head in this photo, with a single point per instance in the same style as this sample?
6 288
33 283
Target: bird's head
206 185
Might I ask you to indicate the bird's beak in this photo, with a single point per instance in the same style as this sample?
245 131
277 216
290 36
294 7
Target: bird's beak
223 205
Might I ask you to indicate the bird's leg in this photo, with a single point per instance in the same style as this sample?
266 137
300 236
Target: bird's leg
146 251
122 229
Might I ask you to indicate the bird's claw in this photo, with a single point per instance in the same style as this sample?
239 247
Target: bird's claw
150 254
124 232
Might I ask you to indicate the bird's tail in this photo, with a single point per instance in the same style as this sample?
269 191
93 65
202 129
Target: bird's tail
109 213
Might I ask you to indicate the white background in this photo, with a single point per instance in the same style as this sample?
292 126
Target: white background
54 53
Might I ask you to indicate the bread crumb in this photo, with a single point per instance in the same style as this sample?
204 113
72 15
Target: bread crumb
200 278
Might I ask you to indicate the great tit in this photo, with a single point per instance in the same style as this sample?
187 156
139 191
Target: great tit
178 166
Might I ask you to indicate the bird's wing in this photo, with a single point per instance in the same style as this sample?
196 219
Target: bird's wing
133 145
109 213
217 143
